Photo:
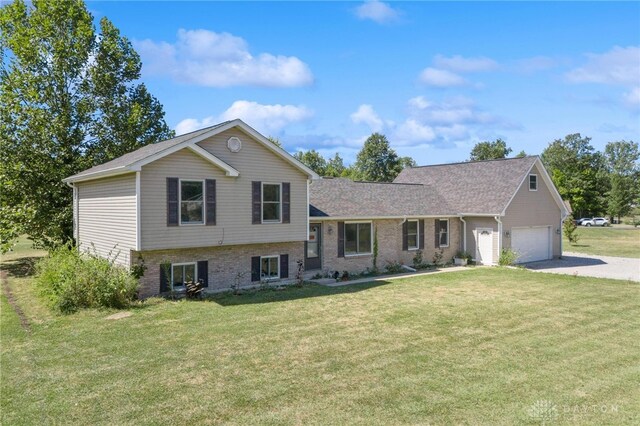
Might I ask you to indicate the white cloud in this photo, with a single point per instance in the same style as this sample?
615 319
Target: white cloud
207 58
411 132
441 78
367 115
632 97
377 11
620 65
458 63
419 102
267 119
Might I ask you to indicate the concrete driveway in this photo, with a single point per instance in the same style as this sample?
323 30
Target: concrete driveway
587 265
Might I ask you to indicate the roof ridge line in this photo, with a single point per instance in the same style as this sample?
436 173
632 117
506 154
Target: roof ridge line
472 162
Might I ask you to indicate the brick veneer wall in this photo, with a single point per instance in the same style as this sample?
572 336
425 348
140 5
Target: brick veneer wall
224 263
389 245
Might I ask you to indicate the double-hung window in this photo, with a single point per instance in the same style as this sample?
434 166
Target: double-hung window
271 202
182 273
270 267
412 234
357 238
191 202
443 232
533 182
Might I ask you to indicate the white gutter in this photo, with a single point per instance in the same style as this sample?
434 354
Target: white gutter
497 218
464 234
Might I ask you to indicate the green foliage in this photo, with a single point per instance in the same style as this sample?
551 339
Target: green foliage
508 257
569 228
621 159
393 267
314 160
418 261
437 257
275 141
71 281
460 254
490 150
68 100
376 161
335 166
578 172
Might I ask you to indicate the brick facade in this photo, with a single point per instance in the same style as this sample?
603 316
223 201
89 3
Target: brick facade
224 263
389 245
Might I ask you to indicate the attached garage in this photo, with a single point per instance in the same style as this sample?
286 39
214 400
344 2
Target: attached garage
532 243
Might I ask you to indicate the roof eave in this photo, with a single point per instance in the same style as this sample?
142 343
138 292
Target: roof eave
98 175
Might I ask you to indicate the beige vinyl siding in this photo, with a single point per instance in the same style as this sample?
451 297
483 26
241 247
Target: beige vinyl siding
233 196
534 208
474 222
106 217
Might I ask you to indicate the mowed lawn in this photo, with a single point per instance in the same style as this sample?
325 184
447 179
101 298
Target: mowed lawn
482 346
606 241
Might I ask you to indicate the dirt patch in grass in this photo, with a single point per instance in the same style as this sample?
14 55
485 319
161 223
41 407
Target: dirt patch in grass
6 290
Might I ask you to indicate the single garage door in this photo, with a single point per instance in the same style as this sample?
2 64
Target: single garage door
531 244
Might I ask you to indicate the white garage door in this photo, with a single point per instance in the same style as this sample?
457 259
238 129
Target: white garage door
531 244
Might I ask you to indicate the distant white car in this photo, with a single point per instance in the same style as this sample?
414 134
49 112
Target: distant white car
596 221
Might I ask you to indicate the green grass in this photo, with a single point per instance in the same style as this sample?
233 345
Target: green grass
477 347
618 241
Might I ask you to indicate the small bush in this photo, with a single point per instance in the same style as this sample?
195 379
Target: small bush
437 257
418 261
569 228
71 281
507 257
393 267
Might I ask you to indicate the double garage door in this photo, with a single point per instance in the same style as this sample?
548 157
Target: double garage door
532 244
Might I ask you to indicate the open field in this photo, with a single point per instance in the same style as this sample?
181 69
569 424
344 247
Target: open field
621 241
481 346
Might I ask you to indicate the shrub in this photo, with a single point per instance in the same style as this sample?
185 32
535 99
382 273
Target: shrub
393 267
418 261
71 281
460 254
507 257
437 257
570 230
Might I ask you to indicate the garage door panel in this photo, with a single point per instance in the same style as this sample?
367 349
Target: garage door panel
531 244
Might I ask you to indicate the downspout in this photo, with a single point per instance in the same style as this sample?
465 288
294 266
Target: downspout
464 234
497 218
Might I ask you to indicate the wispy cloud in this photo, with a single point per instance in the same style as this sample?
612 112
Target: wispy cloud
441 78
377 11
267 119
207 58
459 63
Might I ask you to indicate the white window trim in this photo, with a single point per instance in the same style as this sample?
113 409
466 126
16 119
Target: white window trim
204 203
195 270
417 235
262 202
344 239
448 233
273 256
529 181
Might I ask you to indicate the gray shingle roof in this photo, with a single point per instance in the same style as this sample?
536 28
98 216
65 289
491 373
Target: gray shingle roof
344 198
144 152
474 187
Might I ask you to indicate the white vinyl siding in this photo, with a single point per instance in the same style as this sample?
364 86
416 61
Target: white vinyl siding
106 217
233 196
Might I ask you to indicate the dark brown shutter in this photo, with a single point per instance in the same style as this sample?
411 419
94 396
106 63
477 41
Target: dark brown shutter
210 197
421 225
437 233
405 235
284 266
286 202
340 239
203 272
172 201
256 202
255 268
164 280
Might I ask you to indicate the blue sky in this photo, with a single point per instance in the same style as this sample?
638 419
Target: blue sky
435 78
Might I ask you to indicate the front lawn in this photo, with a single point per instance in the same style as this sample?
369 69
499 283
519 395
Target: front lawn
606 241
483 346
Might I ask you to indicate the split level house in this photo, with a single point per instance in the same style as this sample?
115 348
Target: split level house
225 205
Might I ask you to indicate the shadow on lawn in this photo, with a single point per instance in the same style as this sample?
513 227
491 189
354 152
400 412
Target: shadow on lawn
284 294
20 268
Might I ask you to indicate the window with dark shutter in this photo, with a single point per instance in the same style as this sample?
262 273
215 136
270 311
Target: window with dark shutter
340 239
405 239
256 205
255 268
210 197
172 201
203 272
286 202
284 266
421 224
436 228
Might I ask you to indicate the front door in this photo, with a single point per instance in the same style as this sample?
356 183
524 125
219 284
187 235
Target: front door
313 248
484 246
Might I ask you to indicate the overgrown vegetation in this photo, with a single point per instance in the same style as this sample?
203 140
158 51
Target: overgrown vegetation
507 257
569 228
70 281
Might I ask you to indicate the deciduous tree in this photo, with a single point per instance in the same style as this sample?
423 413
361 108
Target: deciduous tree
490 150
